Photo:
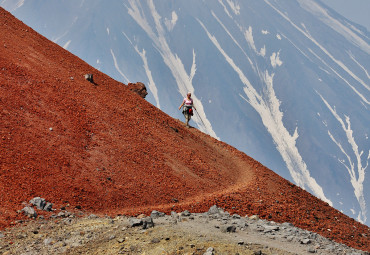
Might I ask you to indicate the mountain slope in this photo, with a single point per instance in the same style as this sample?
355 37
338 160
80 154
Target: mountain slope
104 149
287 82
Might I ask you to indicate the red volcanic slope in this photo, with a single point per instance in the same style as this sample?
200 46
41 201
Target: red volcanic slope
107 150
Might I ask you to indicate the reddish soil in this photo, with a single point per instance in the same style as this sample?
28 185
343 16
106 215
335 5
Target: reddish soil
105 149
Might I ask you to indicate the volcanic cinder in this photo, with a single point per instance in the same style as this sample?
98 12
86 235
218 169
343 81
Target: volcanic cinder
105 149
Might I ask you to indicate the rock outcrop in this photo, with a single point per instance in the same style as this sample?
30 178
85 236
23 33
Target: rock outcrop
138 88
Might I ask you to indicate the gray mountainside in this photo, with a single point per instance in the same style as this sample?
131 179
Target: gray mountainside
287 82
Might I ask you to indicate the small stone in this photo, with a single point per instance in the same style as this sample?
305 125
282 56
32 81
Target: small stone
214 210
311 250
269 229
92 216
147 223
121 240
141 216
155 214
254 217
51 129
48 241
186 213
29 211
38 202
290 238
241 242
155 240
228 229
236 216
209 251
305 241
48 207
134 222
111 237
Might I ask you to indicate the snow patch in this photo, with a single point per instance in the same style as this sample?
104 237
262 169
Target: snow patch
65 46
361 66
265 32
355 167
278 37
267 106
117 67
338 62
170 24
225 8
235 7
263 51
151 83
353 211
335 24
11 5
275 59
108 30
248 35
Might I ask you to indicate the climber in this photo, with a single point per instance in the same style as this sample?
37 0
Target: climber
188 108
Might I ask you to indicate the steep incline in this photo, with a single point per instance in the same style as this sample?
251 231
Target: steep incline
104 149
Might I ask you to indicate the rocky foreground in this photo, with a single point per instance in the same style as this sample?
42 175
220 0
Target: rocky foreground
213 232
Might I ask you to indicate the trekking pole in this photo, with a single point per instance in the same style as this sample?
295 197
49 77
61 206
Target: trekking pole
200 118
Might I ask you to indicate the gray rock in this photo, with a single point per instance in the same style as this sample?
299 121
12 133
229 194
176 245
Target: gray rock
209 251
155 214
29 211
269 229
121 240
306 241
48 207
174 215
254 217
64 214
311 250
215 210
2 235
67 221
287 225
186 213
38 202
147 223
290 238
228 229
92 216
48 241
155 240
134 222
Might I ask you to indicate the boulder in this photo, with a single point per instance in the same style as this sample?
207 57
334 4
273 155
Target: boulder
139 88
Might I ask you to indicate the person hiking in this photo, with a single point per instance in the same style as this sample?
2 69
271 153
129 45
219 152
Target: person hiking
188 108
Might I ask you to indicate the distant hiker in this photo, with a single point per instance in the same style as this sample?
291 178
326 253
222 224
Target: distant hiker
188 108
